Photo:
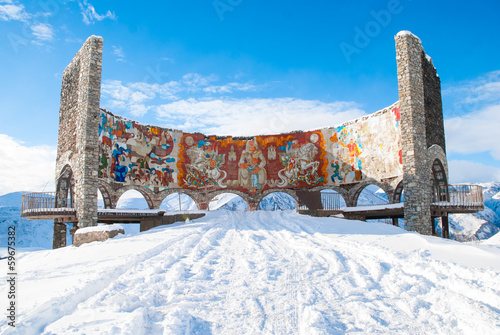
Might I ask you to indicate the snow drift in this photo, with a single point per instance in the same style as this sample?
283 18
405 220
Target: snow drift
262 272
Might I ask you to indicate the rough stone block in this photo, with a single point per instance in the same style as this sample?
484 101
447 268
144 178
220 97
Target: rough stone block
99 233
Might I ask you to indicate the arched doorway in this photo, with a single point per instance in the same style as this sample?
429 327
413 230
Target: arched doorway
65 189
277 201
178 202
440 182
228 201
440 194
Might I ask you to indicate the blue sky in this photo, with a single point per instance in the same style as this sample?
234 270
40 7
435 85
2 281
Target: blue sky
245 67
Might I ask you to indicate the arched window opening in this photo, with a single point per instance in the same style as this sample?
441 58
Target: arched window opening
228 201
132 199
372 195
178 202
277 201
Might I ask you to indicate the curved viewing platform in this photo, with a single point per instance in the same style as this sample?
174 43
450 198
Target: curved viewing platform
457 199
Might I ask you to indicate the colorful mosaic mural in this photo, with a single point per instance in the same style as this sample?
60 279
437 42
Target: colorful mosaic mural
369 147
135 154
131 153
251 165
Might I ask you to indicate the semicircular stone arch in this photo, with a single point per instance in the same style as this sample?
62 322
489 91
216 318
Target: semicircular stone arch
276 190
146 193
249 201
341 191
105 188
192 194
398 192
357 189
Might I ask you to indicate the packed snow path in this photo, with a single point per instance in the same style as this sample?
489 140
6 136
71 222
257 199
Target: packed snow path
262 273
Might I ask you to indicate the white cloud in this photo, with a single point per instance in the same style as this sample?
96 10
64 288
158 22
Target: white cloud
166 59
229 88
123 95
195 80
118 52
138 109
483 89
43 31
245 117
474 132
473 95
13 11
25 168
90 15
462 171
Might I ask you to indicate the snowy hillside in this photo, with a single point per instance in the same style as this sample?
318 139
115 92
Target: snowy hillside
480 225
38 234
30 235
267 272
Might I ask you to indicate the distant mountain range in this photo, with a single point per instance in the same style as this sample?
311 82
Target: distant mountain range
38 234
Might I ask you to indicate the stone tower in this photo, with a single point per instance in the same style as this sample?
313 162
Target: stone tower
422 128
78 150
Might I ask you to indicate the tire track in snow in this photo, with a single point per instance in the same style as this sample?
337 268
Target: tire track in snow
35 321
422 276
275 273
165 271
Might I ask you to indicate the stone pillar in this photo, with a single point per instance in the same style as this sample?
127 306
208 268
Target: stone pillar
252 205
59 237
446 226
416 171
78 138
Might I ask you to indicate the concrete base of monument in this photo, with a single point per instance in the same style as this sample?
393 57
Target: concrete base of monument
99 233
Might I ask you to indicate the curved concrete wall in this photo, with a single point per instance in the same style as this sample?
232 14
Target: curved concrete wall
158 158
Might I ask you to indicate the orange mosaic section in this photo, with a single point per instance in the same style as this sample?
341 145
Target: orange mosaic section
252 165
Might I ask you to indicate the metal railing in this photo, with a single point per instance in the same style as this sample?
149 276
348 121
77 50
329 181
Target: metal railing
39 202
330 201
455 196
460 196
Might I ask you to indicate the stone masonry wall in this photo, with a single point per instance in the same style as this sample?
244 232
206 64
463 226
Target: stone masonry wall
79 127
434 124
416 171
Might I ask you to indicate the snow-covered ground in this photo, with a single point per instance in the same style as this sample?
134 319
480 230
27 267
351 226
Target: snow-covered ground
37 235
265 272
